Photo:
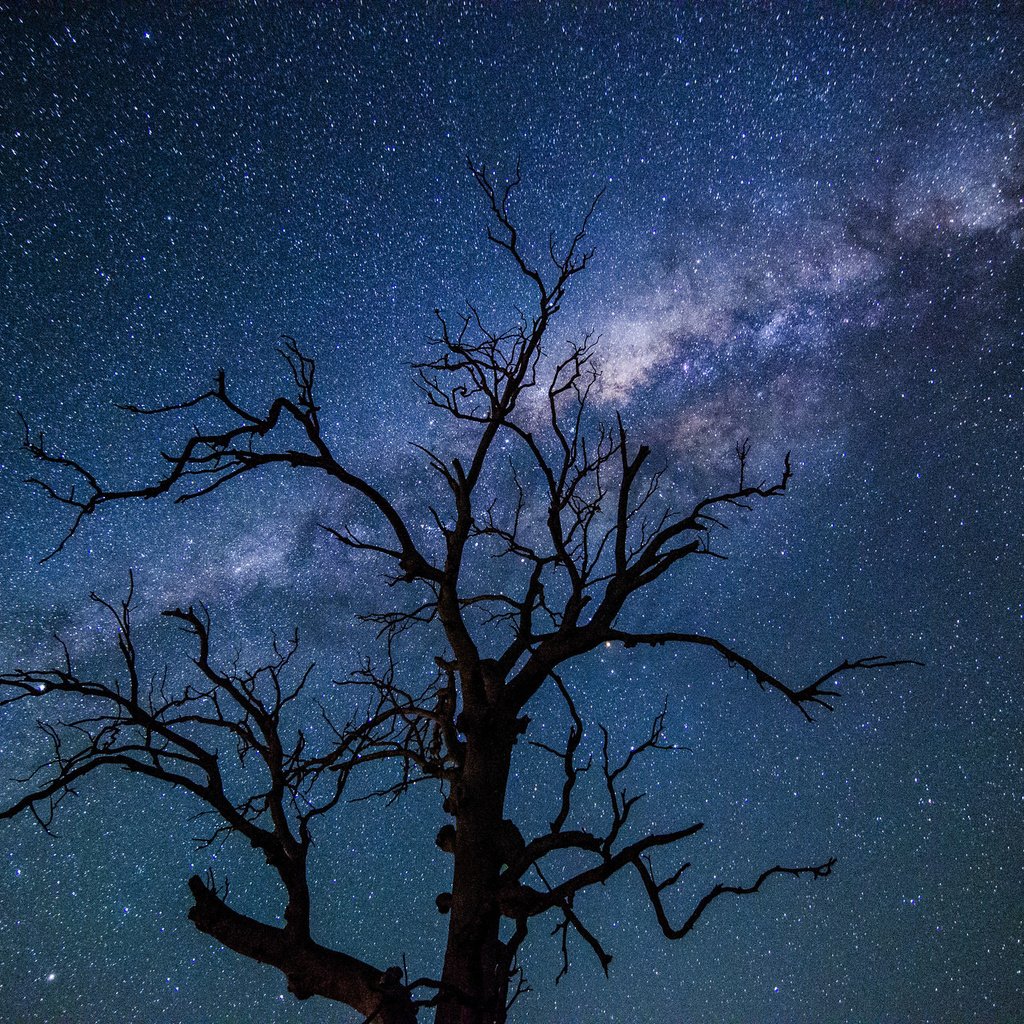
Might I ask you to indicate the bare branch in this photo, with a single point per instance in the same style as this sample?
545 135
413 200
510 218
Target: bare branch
813 693
209 459
311 969
655 889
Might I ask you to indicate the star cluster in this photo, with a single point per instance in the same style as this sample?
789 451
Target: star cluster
810 234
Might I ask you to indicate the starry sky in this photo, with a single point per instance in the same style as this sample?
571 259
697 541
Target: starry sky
810 234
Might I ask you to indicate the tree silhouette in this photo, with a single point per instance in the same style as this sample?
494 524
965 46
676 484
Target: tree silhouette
574 524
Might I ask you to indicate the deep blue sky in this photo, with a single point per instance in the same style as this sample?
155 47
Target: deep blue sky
811 234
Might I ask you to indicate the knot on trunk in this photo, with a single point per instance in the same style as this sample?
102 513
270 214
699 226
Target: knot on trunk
446 838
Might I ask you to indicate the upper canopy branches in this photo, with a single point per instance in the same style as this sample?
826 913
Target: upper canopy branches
577 512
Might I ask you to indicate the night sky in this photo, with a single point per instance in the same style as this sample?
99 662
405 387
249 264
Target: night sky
810 234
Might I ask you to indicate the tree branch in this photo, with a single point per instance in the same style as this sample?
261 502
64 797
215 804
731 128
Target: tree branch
311 969
655 889
208 460
814 693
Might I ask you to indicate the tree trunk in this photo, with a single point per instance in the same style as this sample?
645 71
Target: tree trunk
475 976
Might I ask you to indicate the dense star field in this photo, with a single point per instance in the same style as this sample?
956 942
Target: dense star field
810 235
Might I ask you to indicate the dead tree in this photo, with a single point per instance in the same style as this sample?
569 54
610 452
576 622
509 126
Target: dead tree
580 526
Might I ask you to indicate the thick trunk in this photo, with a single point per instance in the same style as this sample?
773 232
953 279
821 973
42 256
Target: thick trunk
475 976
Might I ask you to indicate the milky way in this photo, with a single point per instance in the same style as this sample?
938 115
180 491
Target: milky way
810 234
